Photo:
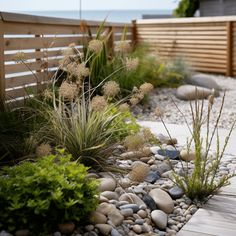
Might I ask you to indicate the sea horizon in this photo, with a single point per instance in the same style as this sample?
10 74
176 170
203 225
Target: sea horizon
123 16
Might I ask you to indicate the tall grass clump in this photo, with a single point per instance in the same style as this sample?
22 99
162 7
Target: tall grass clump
86 124
203 181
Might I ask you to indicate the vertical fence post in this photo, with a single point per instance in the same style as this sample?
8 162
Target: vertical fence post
38 59
2 67
134 33
229 55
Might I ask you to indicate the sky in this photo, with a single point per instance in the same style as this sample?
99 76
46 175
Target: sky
38 5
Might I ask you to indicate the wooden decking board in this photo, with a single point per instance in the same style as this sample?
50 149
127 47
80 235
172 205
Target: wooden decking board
217 217
212 222
192 233
222 204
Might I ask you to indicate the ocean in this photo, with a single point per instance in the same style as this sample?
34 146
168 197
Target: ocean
123 16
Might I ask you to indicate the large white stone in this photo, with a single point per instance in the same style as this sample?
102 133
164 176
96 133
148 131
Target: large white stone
107 184
191 92
159 218
162 200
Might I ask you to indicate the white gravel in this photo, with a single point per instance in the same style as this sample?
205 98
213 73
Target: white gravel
162 98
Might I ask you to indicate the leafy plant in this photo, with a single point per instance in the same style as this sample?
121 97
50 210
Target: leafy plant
201 182
40 195
187 8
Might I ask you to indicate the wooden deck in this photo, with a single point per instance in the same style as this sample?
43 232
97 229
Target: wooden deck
217 217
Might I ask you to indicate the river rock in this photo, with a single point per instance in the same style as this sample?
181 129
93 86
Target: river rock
111 212
134 207
98 218
163 167
127 212
116 217
205 81
162 200
105 208
107 184
159 218
137 229
104 229
172 154
176 192
110 195
131 198
191 92
152 177
115 232
149 202
187 155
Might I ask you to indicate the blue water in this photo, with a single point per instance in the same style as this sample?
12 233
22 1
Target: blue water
113 15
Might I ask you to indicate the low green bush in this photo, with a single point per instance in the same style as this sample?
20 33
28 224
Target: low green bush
40 195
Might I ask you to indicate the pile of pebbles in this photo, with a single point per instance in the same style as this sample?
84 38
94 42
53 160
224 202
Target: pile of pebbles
164 97
153 205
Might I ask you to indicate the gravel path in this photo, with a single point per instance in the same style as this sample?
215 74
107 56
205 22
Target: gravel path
162 98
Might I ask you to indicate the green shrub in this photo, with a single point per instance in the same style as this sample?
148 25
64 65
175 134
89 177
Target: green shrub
40 195
187 8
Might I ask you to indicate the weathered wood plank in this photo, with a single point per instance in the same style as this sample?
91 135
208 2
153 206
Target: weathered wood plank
38 65
212 222
42 42
183 37
28 79
192 233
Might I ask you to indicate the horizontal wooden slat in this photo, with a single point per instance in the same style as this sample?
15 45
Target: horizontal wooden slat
209 52
34 55
206 42
28 29
200 61
208 69
181 32
181 28
183 37
195 46
21 92
40 42
193 55
28 79
38 54
38 65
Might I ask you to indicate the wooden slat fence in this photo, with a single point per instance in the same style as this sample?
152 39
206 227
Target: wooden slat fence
42 40
207 43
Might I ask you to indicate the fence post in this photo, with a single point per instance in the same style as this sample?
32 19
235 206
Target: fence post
134 33
2 67
229 54
38 59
